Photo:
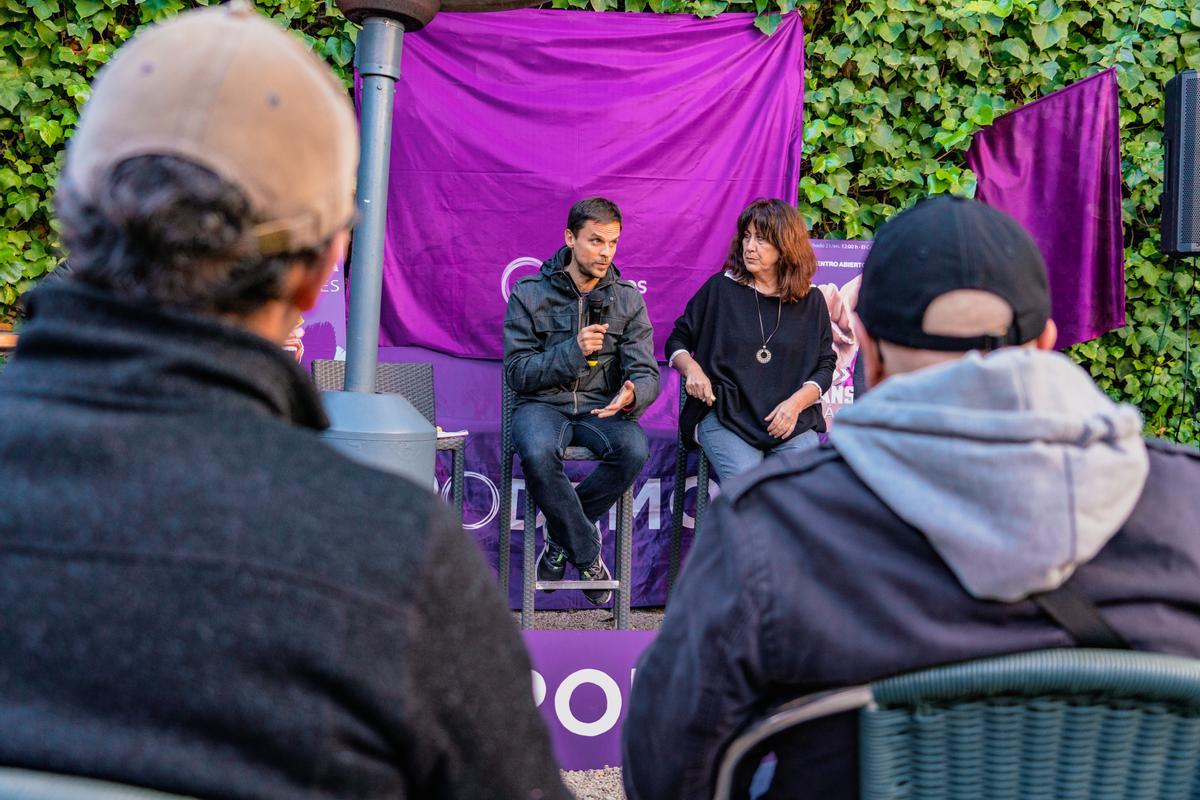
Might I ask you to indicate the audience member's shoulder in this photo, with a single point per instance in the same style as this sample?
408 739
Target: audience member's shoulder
784 466
349 482
1174 457
1169 448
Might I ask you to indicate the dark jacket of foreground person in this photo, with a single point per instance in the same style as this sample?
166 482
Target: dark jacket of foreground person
201 597
949 496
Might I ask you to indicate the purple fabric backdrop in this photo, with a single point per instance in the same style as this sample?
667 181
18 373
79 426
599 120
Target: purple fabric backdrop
1055 165
503 120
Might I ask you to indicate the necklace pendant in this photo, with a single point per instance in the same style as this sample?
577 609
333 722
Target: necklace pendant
763 355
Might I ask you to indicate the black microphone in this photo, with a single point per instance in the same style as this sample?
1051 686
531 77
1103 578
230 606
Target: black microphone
595 316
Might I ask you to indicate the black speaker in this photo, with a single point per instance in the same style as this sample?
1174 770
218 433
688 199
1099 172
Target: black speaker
1181 179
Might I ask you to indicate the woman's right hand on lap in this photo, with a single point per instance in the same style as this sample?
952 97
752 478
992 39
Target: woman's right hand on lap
697 385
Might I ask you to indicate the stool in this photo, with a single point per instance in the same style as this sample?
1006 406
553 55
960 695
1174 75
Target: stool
681 459
622 566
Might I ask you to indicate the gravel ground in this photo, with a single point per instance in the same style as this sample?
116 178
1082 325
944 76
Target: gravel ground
640 619
595 784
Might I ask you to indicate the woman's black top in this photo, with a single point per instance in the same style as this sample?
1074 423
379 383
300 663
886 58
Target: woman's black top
720 328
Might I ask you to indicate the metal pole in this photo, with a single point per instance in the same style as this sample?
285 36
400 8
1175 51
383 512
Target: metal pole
377 58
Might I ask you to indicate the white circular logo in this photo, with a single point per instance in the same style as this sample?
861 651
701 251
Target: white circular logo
513 266
448 486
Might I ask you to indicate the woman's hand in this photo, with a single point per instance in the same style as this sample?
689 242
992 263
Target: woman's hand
782 419
697 384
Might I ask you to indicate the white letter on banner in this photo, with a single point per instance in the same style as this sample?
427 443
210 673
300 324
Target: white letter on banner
649 495
539 688
612 698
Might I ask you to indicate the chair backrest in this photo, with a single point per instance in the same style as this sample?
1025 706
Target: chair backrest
1052 723
23 784
413 380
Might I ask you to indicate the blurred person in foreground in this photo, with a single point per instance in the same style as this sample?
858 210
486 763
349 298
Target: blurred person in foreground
199 596
982 474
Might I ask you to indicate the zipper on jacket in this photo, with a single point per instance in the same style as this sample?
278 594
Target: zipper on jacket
579 327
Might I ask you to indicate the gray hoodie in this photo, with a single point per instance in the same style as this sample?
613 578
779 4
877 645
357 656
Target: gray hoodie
1014 465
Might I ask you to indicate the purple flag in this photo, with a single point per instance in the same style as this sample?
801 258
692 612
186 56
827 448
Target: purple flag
1055 165
503 120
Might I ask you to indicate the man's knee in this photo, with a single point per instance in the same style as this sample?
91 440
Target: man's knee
537 442
634 449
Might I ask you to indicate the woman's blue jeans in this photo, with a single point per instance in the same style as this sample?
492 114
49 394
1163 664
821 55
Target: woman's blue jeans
540 435
731 455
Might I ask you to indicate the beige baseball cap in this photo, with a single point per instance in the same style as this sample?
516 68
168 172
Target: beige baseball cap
227 88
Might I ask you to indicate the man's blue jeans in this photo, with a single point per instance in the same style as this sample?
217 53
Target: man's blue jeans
541 434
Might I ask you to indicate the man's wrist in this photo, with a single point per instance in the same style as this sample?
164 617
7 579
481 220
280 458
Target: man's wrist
632 401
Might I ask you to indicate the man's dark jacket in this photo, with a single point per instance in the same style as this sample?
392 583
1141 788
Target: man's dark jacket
201 597
542 360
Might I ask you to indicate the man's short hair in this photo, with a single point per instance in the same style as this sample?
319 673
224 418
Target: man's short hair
596 209
167 232
946 244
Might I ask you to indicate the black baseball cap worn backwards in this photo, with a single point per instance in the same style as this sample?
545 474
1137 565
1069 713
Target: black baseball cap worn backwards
944 244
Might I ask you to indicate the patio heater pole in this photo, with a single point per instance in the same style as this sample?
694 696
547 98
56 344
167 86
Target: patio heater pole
377 59
381 429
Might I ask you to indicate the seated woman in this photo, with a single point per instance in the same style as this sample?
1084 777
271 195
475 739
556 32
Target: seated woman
754 346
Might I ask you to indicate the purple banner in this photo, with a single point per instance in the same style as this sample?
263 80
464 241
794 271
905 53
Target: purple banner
503 120
581 683
468 398
1055 165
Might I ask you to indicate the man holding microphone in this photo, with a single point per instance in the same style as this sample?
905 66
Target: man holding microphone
579 355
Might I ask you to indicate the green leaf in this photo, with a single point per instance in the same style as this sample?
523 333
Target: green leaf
339 50
1049 10
889 32
86 8
1047 35
1015 48
710 8
26 205
768 23
43 9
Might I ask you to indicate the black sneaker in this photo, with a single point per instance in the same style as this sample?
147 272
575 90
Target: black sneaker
596 572
551 563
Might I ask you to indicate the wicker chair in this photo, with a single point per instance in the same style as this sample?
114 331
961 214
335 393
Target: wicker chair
1071 723
414 381
24 784
622 568
681 461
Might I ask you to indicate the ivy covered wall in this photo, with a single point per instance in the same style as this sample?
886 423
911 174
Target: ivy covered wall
895 88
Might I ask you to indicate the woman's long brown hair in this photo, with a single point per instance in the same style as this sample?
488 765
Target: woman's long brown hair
782 226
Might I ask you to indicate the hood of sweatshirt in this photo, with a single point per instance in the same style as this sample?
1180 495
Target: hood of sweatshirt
1014 465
